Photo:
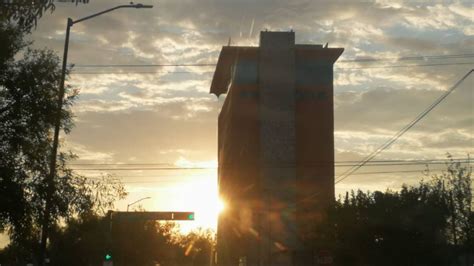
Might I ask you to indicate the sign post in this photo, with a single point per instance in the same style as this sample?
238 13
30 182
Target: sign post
158 216
142 216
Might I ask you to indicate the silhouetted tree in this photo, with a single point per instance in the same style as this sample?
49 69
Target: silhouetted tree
428 224
28 97
198 246
86 240
25 13
29 81
457 194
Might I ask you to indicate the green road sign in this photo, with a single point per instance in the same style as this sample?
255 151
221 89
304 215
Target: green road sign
162 216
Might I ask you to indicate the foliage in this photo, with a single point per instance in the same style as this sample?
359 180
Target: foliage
457 184
198 246
88 238
28 107
11 42
148 243
25 13
27 94
428 224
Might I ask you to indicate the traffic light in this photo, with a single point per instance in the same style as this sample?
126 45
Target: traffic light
108 257
163 216
189 216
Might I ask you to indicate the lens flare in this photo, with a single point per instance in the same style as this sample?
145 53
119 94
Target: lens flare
220 205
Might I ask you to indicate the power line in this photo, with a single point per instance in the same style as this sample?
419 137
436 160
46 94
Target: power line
119 178
411 65
402 131
403 58
408 58
144 169
354 167
336 162
210 72
145 65
137 72
120 164
378 164
392 172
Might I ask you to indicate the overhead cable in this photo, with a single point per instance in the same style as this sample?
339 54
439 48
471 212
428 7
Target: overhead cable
402 131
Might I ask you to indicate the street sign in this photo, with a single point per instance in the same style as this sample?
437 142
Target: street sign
162 216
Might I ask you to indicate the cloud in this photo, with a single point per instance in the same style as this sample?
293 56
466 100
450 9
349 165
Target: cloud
87 153
411 43
168 114
99 105
183 162
450 139
391 109
209 24
144 135
439 17
366 120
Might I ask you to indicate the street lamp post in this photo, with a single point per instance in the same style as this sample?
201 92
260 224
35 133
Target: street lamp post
128 205
57 125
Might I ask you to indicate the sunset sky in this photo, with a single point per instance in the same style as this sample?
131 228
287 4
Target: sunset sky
165 116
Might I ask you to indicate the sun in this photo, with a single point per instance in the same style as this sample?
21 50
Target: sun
198 193
206 204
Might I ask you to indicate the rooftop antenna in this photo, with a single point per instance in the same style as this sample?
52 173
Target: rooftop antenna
230 41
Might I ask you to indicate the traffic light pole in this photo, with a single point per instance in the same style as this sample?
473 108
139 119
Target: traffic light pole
141 216
109 257
157 216
52 166
50 184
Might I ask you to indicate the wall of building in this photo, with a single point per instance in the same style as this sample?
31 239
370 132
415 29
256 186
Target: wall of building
276 147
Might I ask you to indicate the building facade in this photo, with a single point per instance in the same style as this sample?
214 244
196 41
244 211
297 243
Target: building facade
275 148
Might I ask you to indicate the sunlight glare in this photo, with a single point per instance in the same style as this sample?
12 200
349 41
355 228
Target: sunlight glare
198 194
220 206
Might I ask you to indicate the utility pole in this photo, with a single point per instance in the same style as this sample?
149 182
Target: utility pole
50 184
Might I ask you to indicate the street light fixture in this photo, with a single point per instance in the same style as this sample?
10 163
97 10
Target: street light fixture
128 205
57 125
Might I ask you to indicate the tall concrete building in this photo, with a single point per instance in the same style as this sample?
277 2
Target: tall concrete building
275 148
